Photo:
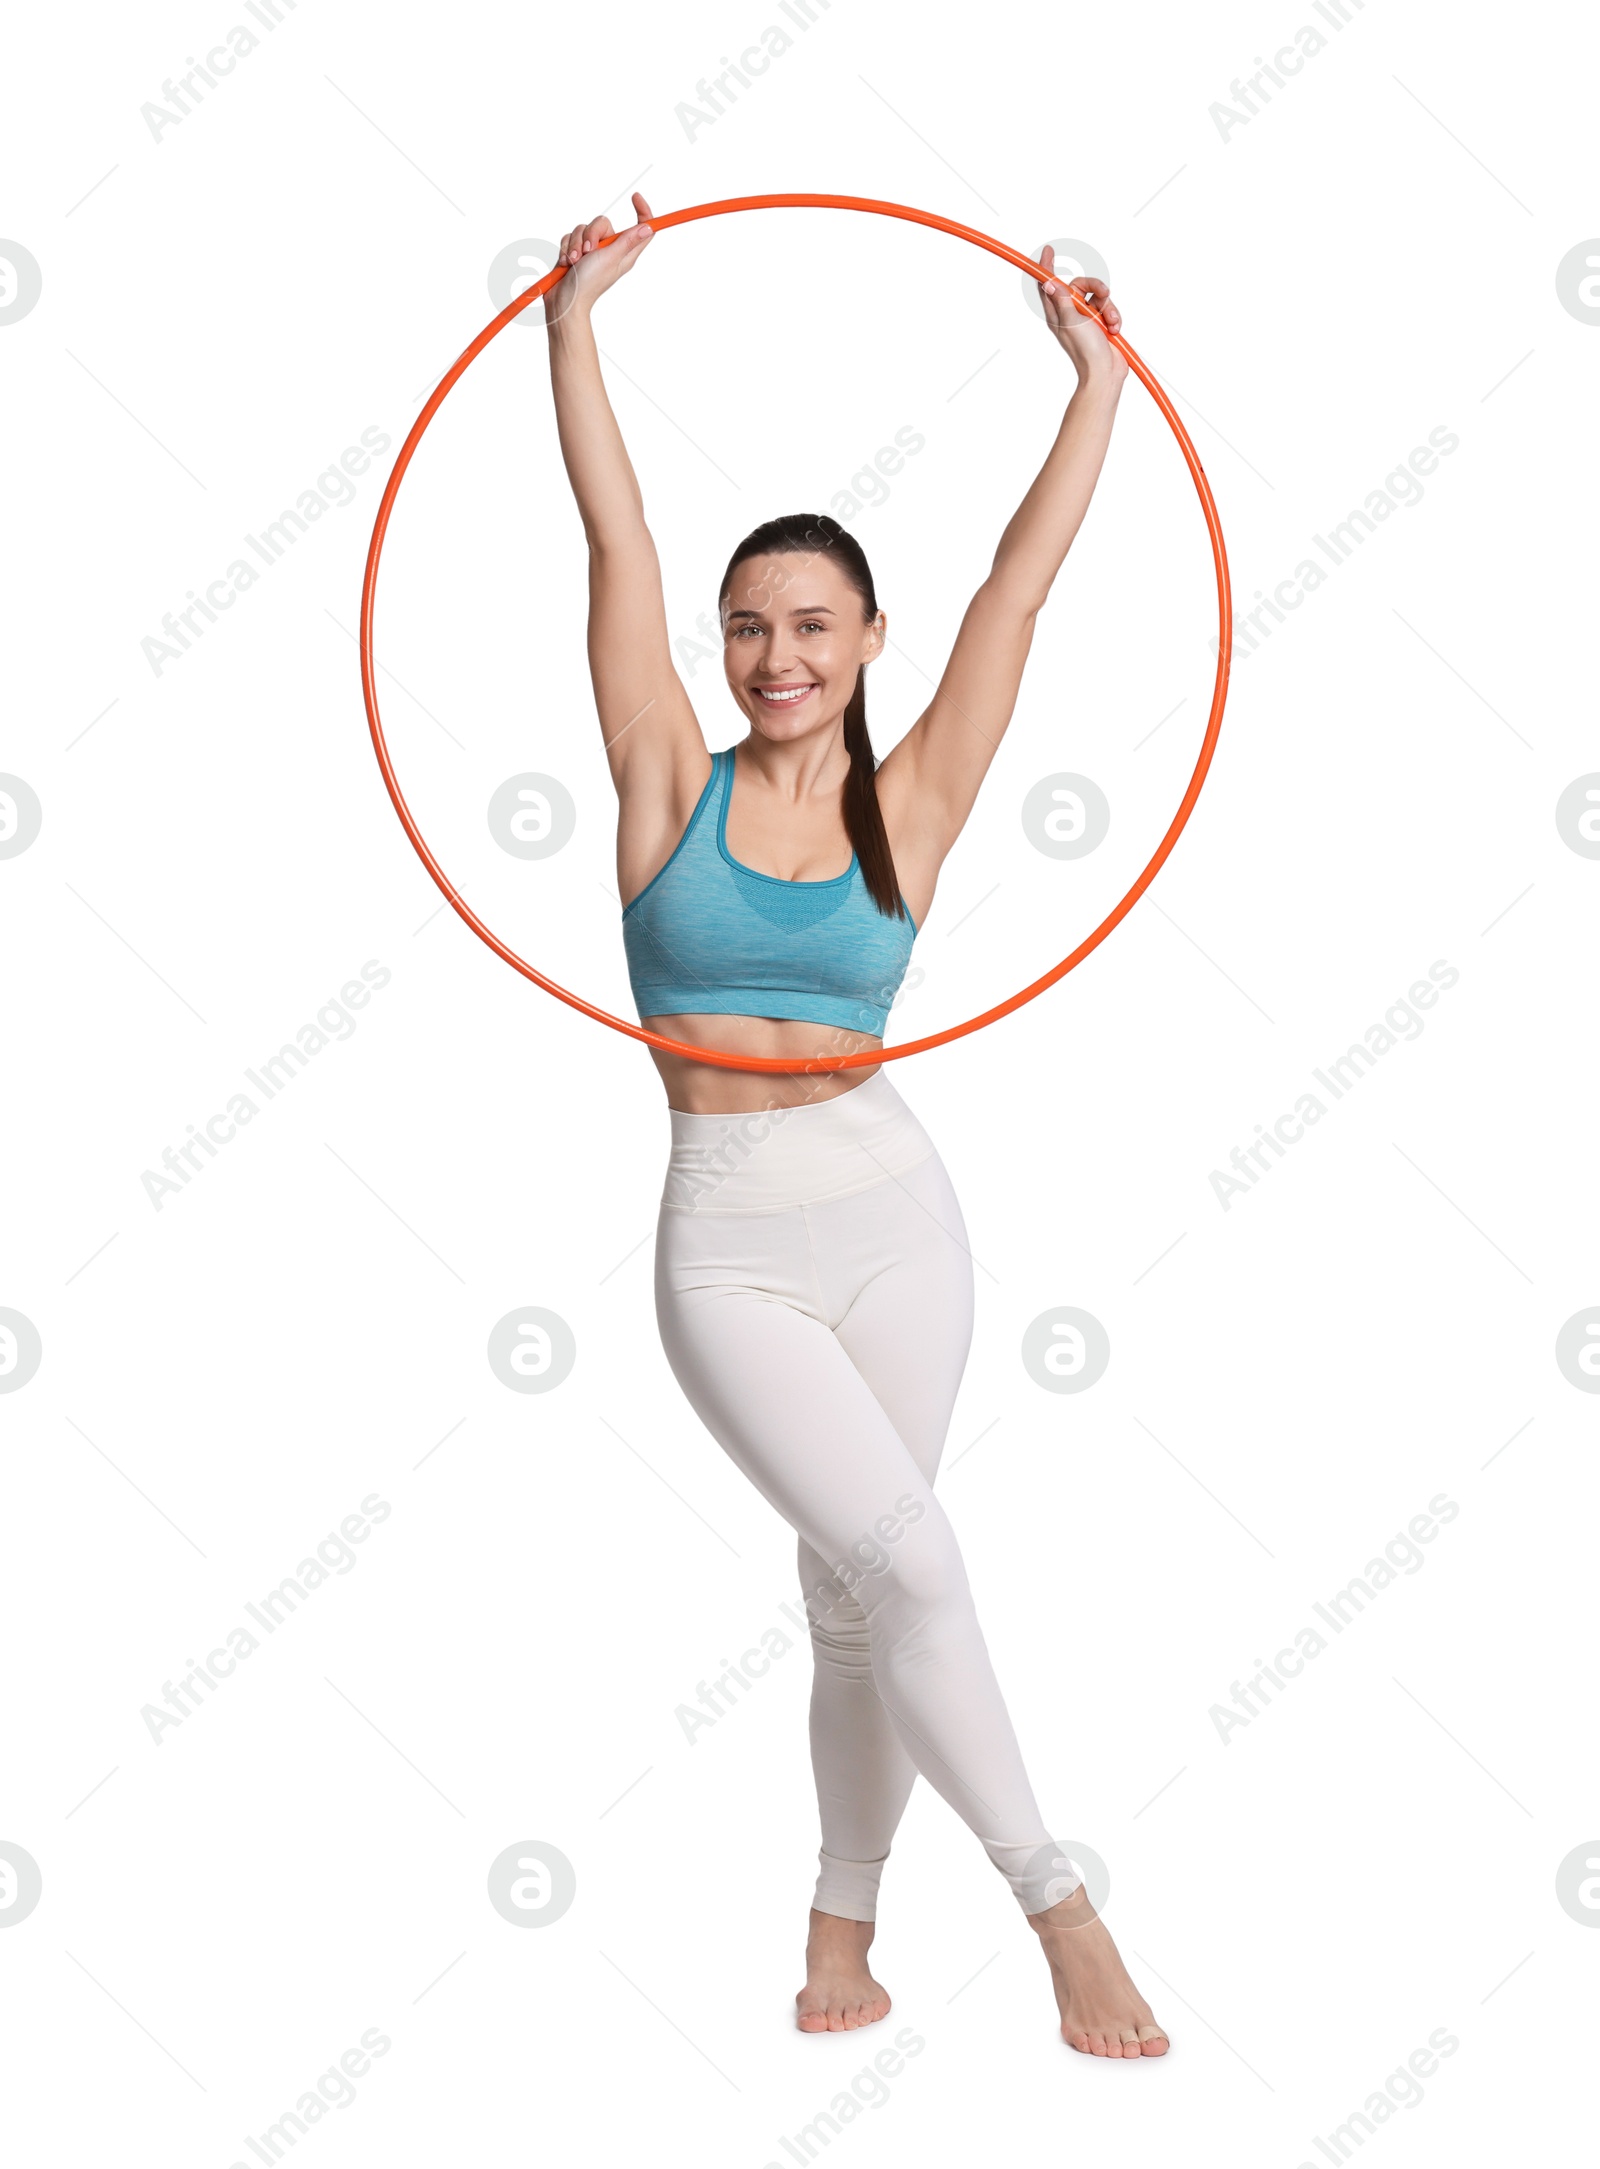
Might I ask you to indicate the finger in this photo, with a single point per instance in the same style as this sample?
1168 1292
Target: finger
641 206
1093 288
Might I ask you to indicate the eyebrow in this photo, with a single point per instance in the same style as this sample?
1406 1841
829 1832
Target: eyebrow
816 610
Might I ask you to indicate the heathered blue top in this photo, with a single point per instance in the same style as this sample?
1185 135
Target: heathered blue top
711 937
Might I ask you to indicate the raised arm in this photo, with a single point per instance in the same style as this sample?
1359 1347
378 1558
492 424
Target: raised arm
929 782
654 745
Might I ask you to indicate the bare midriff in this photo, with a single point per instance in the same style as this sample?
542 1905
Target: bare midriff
705 1088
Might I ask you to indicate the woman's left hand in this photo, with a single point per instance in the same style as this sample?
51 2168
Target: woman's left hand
1092 353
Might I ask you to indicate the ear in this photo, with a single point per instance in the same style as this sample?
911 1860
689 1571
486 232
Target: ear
877 637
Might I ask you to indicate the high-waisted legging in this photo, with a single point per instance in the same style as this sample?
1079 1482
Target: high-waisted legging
815 1297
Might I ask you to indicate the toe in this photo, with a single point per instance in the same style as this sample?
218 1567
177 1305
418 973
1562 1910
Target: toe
1152 2041
1097 2045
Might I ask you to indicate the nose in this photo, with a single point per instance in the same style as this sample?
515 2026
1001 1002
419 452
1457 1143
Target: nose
776 663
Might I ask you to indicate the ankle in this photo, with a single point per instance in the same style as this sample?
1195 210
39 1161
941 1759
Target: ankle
1070 1912
838 1928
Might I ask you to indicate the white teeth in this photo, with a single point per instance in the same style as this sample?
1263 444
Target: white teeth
797 693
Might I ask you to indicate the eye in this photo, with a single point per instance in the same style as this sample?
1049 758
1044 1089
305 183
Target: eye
821 628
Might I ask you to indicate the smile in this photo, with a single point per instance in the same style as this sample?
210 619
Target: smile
784 696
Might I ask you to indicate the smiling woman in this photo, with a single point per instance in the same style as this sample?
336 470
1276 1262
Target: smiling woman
813 1282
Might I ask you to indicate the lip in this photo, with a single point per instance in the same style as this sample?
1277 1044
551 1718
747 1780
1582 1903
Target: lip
787 691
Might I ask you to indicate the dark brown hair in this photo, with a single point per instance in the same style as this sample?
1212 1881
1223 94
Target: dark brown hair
801 534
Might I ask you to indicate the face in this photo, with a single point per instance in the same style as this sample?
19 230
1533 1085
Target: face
794 640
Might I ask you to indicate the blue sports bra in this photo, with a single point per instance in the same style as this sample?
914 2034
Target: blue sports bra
710 937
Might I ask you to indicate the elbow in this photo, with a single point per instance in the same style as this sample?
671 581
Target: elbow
614 540
1013 594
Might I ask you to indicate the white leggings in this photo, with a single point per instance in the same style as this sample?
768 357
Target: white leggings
814 1293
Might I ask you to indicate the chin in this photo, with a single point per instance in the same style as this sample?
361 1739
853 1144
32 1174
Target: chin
774 724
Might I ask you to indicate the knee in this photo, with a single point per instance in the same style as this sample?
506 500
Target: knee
923 1574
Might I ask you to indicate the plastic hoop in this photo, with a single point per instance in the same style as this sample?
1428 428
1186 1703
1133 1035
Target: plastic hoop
867 1057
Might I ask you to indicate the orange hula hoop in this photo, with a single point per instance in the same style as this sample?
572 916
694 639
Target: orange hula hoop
810 1064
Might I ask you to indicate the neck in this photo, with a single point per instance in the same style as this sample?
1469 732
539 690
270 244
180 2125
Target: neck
810 767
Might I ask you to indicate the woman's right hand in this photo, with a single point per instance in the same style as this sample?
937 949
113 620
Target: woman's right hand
591 269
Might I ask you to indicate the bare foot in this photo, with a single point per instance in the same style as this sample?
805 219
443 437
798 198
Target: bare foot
839 1993
1102 2013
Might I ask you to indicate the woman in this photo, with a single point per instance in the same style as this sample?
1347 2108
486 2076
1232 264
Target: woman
813 1284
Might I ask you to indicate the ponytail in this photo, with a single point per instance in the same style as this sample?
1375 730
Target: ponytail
863 816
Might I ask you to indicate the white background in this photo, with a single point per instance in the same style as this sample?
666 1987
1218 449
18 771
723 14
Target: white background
224 1379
